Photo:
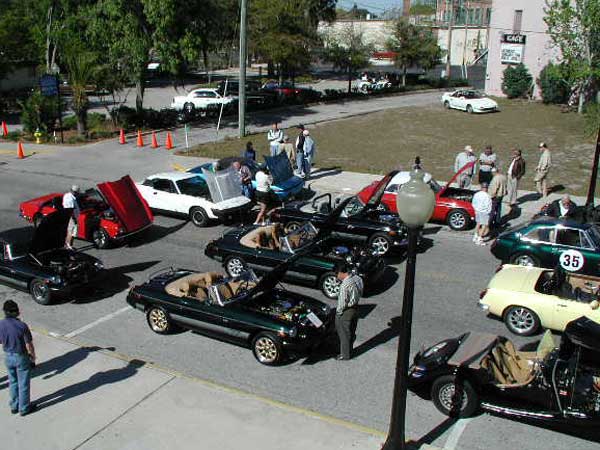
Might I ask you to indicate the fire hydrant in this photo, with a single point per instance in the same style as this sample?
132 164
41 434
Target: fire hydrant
37 135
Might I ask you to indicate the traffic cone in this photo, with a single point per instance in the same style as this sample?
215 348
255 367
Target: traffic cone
169 142
122 137
140 140
4 129
154 141
20 153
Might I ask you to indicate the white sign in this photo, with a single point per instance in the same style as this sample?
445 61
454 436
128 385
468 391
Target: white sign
571 260
314 319
511 53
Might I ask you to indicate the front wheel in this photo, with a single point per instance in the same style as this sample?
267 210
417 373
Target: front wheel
525 259
235 266
447 104
40 291
100 238
267 349
380 244
450 401
159 321
330 285
469 109
458 220
199 217
521 321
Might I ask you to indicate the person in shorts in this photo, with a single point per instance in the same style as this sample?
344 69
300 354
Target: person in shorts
70 202
482 204
263 194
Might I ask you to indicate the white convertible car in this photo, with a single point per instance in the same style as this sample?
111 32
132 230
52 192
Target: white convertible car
202 99
469 100
216 196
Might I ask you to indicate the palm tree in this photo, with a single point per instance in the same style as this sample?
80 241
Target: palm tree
82 69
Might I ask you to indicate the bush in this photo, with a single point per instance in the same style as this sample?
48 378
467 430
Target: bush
39 112
441 83
592 119
554 88
517 81
128 118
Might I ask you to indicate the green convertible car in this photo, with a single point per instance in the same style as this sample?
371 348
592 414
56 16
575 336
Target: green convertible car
550 242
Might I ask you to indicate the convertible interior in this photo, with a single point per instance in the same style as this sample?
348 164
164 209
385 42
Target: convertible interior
196 286
270 237
583 288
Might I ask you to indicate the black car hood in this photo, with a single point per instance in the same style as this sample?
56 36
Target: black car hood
50 234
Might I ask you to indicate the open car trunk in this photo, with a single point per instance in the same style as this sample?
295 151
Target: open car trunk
225 189
458 194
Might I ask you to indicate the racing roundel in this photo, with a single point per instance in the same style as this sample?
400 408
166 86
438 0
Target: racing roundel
571 260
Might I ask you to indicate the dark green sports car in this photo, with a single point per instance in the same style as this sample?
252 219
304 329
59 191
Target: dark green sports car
549 242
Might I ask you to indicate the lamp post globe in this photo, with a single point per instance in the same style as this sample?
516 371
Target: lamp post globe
415 200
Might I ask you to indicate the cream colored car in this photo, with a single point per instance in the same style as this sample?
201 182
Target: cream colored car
528 298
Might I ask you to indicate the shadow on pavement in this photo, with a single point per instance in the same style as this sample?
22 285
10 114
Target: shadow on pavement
435 433
387 280
154 233
380 338
323 172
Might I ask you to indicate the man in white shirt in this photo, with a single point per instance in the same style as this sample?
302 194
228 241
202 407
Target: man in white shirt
274 136
482 204
487 161
263 194
462 159
69 201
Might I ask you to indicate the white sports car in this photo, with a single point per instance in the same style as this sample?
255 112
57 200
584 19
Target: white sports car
202 99
190 195
469 100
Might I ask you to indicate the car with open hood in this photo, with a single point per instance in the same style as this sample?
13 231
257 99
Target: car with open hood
35 260
316 258
362 220
203 198
553 385
469 100
452 204
109 213
529 298
241 309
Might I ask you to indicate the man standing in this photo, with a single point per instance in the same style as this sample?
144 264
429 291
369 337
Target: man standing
462 159
274 136
245 177
542 169
515 172
310 150
19 356
497 191
482 204
300 149
346 316
287 147
69 201
487 161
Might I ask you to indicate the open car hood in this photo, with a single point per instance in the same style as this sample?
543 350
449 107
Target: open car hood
457 174
223 184
280 168
127 203
51 232
374 199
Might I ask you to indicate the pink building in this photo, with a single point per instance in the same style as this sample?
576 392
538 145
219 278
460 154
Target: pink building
518 33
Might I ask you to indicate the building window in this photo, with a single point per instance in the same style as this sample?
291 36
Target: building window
518 21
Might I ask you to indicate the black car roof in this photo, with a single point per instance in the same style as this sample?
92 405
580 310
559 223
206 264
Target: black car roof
584 332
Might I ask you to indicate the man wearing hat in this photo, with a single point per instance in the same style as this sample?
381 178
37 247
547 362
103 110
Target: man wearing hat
19 356
462 159
542 169
70 202
309 154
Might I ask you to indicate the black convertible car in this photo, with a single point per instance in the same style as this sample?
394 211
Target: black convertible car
264 248
554 385
242 309
34 260
358 221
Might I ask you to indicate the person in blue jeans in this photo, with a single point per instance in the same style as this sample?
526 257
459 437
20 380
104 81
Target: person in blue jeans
19 355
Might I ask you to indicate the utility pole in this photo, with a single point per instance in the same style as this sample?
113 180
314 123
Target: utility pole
450 9
242 85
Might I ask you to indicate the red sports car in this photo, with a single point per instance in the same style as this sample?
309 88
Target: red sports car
452 204
109 213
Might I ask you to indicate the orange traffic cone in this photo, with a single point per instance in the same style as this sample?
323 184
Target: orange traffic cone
4 129
154 141
122 137
20 153
169 142
140 140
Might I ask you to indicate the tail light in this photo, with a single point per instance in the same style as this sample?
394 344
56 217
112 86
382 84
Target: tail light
499 268
482 294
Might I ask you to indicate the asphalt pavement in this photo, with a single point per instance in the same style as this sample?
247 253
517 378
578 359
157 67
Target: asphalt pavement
450 274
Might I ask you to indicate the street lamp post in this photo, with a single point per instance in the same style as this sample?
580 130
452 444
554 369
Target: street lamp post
415 202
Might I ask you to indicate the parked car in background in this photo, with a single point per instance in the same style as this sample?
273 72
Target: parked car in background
530 298
203 99
287 90
469 100
189 195
241 309
109 213
255 95
35 260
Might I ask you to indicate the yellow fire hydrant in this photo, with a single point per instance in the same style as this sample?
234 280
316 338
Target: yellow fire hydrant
38 136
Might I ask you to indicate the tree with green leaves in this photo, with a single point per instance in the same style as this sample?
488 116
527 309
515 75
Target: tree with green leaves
348 51
414 46
574 27
517 82
81 68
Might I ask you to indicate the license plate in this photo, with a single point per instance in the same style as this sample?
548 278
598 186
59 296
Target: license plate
314 320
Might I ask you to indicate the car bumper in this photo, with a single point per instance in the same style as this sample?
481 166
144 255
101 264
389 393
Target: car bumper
486 109
306 341
68 286
123 236
232 212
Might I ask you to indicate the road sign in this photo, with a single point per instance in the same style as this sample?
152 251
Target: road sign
49 85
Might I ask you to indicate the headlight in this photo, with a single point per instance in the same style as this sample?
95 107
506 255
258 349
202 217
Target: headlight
98 265
293 332
56 279
436 348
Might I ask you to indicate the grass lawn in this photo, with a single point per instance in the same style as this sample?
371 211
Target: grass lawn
381 141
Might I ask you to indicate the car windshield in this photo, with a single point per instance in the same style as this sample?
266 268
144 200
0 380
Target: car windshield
354 206
594 234
299 238
194 186
472 94
229 290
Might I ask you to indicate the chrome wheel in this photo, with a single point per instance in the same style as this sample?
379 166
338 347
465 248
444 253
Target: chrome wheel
447 397
158 320
457 220
235 267
100 238
292 226
266 350
331 286
525 260
521 320
380 245
40 292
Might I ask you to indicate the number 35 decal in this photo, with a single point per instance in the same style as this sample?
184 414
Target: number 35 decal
571 260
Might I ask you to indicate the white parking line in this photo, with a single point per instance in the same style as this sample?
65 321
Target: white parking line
456 433
97 322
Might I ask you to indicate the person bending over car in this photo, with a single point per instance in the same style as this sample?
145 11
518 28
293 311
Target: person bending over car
562 208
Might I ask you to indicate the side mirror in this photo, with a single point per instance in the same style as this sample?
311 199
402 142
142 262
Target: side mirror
594 305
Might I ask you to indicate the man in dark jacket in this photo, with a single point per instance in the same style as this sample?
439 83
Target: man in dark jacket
300 149
516 170
564 207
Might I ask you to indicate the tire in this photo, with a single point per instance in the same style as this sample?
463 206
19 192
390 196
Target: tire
235 266
447 104
525 259
292 226
329 285
100 238
159 320
188 108
37 218
199 217
380 243
364 89
521 321
442 393
458 220
267 349
469 109
40 292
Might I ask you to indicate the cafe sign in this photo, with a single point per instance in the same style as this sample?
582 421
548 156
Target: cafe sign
514 39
